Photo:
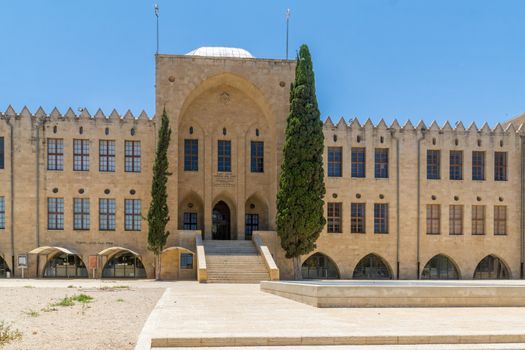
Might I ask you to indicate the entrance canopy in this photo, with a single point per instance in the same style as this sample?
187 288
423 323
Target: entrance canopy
113 250
48 250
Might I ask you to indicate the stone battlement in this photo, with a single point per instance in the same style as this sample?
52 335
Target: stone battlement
485 129
70 115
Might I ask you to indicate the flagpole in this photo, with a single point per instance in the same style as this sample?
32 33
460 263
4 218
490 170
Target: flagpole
288 14
156 7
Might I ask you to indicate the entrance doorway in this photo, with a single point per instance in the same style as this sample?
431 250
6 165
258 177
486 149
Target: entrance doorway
221 221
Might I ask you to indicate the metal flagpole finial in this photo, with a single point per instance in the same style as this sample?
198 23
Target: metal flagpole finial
288 14
156 7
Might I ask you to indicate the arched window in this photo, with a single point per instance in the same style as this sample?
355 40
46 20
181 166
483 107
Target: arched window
65 266
124 265
319 266
440 268
491 268
372 267
3 268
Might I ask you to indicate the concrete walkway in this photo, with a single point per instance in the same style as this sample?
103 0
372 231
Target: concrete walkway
226 314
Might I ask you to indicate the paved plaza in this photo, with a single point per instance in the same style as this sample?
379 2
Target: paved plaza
213 314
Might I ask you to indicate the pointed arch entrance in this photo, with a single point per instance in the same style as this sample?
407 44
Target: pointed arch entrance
372 267
3 268
319 266
221 221
491 268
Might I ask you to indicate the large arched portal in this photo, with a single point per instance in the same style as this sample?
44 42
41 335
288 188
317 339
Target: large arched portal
440 267
63 265
319 266
372 267
221 225
491 268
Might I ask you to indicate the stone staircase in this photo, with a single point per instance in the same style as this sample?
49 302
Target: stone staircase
234 262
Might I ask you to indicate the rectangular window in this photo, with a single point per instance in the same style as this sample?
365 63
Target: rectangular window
500 220
132 156
106 150
132 215
224 154
433 219
186 261
257 156
2 153
106 214
478 219
2 213
55 213
335 161
357 214
81 213
334 218
500 166
456 165
381 163
81 155
251 224
380 218
55 154
478 165
191 155
189 221
433 164
358 162
456 220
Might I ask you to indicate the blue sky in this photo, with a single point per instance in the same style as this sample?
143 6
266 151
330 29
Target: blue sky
406 59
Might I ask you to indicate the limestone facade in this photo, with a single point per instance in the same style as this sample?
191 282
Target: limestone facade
223 111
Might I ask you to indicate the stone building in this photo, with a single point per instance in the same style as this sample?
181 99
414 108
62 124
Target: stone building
407 202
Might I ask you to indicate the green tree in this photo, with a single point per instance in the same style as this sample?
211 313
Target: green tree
300 214
158 214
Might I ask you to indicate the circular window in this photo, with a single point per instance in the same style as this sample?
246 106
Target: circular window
381 196
334 195
171 79
433 197
132 192
501 199
358 195
107 191
456 198
55 190
282 84
478 198
81 191
252 206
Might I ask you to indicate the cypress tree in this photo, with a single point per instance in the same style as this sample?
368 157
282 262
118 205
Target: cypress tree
158 214
300 214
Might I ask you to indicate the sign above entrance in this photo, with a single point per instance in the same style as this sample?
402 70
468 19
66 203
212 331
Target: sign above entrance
224 180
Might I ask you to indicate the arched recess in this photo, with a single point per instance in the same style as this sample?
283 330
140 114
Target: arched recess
440 267
256 215
63 265
372 267
492 268
236 81
59 262
3 268
178 263
122 263
191 212
319 266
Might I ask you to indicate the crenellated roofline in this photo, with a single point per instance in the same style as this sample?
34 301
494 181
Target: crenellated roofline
56 115
458 127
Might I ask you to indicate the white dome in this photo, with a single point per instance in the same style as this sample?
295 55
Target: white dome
220 52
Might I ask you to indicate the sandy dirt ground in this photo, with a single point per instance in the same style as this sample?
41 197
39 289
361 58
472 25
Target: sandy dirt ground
112 320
